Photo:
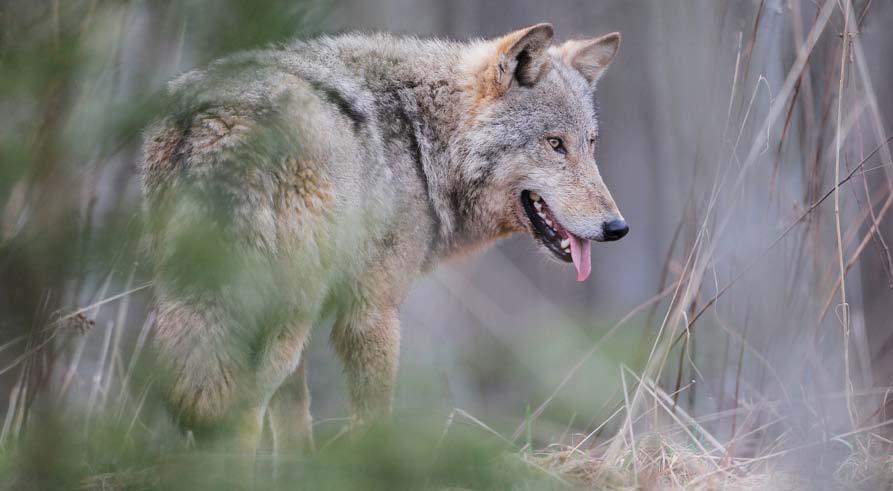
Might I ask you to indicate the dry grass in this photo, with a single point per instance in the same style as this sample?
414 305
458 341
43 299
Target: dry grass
661 465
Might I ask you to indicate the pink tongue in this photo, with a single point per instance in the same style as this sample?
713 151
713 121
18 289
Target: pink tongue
580 249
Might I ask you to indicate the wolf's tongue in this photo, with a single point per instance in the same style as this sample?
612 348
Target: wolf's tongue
580 249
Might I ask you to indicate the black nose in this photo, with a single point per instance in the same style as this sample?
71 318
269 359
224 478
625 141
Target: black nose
615 229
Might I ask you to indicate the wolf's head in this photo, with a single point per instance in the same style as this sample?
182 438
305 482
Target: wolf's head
534 127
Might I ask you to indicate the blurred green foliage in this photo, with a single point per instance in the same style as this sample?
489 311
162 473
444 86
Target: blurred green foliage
408 454
80 81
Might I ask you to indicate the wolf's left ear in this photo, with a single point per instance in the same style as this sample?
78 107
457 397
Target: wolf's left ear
592 56
521 56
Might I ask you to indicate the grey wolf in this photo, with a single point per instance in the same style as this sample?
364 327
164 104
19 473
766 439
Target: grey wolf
317 180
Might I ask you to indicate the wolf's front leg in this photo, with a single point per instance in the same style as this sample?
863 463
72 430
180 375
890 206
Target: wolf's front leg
368 343
289 413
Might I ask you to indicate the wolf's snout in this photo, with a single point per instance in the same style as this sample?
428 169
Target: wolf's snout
614 229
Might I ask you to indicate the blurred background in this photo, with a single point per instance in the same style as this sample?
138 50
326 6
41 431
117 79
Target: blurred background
725 126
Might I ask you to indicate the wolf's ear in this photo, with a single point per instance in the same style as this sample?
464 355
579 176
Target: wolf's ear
521 56
591 57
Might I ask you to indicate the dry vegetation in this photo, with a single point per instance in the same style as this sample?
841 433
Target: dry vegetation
80 409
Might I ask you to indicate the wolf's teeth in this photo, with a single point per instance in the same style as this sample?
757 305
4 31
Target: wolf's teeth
538 205
534 196
565 243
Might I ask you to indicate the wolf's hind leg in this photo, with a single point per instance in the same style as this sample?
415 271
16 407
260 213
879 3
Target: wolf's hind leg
204 374
368 344
289 414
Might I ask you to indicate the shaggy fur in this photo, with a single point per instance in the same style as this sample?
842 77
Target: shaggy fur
319 179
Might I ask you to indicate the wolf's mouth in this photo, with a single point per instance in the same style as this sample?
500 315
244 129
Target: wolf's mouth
548 230
545 227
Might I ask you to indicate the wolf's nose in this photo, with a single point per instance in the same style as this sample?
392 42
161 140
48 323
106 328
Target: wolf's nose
615 229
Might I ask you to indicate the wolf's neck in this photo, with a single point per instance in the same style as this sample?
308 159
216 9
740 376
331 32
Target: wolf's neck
438 104
422 93
427 116
419 103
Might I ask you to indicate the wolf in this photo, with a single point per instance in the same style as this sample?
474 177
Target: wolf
316 180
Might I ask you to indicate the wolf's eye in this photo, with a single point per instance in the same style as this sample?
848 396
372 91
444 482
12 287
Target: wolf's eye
557 145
